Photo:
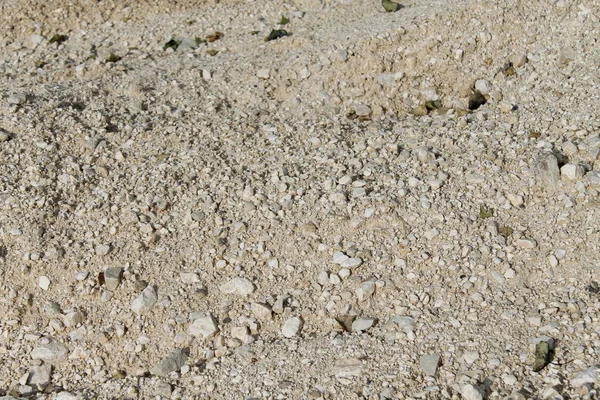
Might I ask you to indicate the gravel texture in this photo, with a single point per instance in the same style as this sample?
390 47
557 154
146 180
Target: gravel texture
371 205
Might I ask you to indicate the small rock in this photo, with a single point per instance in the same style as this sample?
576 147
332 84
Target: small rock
470 356
550 166
102 249
263 73
40 376
66 396
292 327
526 243
204 327
261 311
112 278
344 261
483 86
17 98
347 368
4 136
592 176
405 324
173 362
470 392
430 363
363 324
189 277
36 39
73 319
585 377
362 110
239 286
44 282
572 171
50 351
365 291
145 301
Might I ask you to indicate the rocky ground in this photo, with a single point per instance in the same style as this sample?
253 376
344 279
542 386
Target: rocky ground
374 205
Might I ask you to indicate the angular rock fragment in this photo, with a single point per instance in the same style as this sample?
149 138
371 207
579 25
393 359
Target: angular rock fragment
292 327
239 286
173 362
430 363
50 351
145 301
204 327
112 278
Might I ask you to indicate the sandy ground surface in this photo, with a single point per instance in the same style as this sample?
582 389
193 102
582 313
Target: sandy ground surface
374 206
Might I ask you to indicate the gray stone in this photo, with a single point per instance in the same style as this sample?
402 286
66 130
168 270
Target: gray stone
347 368
49 350
405 324
204 327
102 249
112 278
550 165
17 98
145 301
40 376
572 171
363 324
66 396
73 319
365 291
261 311
292 327
173 362
189 277
345 261
585 377
239 286
362 110
430 363
4 136
470 392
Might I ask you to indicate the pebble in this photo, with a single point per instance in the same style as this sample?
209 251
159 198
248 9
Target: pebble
49 350
102 249
17 98
347 368
550 166
73 319
44 282
145 301
430 363
204 327
406 324
572 171
365 291
40 376
587 376
526 243
363 324
261 311
263 73
292 327
345 261
112 278
66 396
36 39
189 277
362 110
173 362
470 392
4 136
238 286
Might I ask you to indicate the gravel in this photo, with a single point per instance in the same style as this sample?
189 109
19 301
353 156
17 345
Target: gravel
316 216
